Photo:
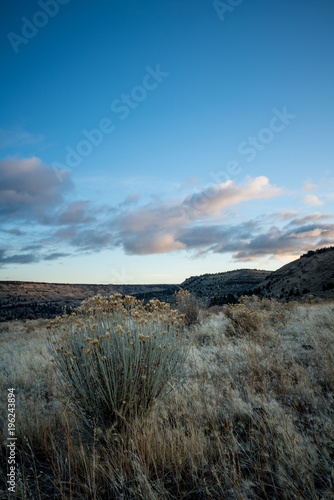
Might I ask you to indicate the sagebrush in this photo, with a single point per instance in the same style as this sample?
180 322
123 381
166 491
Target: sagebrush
116 356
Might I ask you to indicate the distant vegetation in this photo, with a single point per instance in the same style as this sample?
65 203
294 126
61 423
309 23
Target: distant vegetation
319 251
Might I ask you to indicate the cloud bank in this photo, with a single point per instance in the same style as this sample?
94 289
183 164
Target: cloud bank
201 223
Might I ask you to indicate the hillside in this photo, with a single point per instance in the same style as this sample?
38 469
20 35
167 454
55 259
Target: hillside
312 273
21 299
220 284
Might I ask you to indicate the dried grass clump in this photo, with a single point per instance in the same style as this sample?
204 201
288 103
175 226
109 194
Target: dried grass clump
252 315
117 356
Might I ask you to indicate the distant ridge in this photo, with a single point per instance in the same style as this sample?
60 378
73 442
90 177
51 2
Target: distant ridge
311 274
230 282
25 299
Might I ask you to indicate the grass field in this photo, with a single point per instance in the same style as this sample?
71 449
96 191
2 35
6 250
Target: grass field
251 417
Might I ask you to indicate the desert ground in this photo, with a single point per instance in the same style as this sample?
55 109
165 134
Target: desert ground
250 417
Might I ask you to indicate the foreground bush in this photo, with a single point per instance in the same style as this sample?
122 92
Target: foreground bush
117 356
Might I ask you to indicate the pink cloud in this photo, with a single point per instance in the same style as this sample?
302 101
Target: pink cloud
312 200
308 187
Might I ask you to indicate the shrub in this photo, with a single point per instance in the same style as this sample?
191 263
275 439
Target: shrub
187 305
244 319
116 357
253 315
223 299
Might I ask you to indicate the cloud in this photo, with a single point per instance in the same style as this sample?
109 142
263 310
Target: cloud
161 226
312 200
130 200
28 258
200 223
150 242
316 216
55 255
308 186
75 213
17 258
215 238
14 231
29 189
203 236
285 215
189 181
279 242
218 196
246 241
18 137
205 204
157 227
66 233
92 239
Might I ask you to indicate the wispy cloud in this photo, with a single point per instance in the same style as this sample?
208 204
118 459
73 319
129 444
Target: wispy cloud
132 199
312 200
55 255
285 215
14 231
7 257
190 181
18 137
17 258
316 216
308 186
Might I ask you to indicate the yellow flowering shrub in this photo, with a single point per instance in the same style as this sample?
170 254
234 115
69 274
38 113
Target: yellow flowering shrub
116 356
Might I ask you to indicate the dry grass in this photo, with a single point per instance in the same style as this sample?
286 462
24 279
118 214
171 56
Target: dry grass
253 417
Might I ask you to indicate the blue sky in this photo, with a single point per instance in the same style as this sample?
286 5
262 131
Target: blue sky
144 142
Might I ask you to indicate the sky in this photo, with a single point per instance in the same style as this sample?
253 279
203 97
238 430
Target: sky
149 141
